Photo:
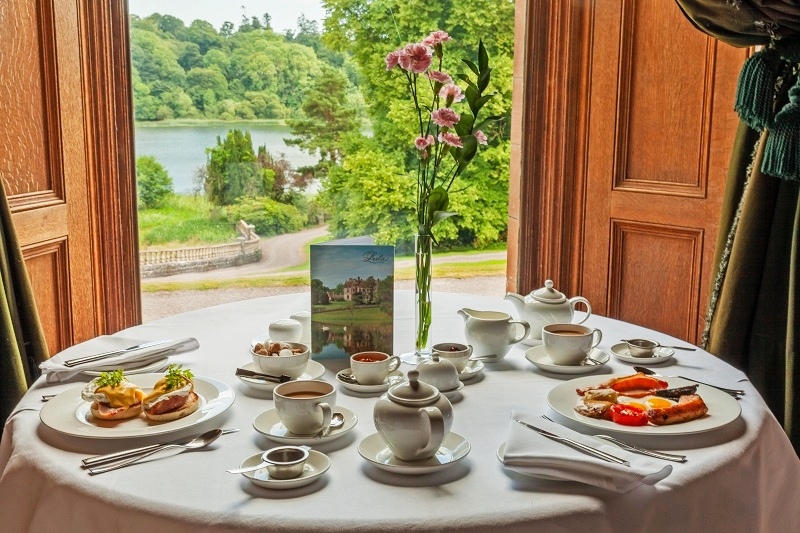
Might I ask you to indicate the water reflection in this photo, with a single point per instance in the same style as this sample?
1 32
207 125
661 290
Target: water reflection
342 340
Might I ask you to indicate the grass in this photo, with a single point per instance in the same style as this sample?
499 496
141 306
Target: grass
183 221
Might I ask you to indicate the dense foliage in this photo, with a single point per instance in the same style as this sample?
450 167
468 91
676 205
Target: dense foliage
153 184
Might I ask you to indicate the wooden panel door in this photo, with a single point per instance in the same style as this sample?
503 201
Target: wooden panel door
65 162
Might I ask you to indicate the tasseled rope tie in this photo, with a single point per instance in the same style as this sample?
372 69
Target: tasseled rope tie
755 92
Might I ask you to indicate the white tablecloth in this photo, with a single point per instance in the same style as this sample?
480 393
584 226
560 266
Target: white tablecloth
743 477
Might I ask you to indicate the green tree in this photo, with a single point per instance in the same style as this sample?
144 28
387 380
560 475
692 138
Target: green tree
204 35
232 170
153 183
202 81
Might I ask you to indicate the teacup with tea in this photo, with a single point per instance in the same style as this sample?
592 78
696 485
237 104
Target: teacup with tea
569 344
372 368
305 407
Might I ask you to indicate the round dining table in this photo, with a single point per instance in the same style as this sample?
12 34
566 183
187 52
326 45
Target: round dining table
742 476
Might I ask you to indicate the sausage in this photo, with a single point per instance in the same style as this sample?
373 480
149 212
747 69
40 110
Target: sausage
689 407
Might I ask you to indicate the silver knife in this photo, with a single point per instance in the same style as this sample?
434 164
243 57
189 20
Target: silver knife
243 372
577 445
112 353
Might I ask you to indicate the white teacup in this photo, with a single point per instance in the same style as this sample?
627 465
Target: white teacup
372 368
305 407
456 353
286 329
569 344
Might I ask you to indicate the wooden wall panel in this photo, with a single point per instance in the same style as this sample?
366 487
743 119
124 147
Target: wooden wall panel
48 270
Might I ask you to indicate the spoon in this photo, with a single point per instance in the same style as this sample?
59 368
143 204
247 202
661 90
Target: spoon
195 444
659 345
733 392
337 421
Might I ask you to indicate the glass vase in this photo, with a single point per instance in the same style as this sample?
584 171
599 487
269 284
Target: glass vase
423 256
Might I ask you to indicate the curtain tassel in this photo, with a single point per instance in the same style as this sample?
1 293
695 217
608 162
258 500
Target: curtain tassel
756 88
782 150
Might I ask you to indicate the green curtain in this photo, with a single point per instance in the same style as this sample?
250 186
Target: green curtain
22 343
753 318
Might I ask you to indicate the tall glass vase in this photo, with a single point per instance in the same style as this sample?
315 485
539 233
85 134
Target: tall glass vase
423 254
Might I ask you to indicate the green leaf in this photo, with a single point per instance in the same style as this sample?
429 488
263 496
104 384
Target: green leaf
483 56
110 379
484 78
472 66
438 216
466 79
482 101
464 126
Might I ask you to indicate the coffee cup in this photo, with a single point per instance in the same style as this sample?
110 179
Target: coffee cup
286 329
569 344
305 407
456 353
372 368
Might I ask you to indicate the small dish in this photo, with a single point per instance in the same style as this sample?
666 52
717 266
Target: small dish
660 355
449 393
453 449
131 369
538 356
269 425
473 368
316 465
314 370
395 376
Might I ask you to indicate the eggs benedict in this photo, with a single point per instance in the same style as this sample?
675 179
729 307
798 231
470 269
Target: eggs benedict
172 397
113 397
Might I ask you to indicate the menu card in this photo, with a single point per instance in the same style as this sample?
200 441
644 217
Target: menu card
352 298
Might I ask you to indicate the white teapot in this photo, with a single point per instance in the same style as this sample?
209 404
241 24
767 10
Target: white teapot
546 306
413 418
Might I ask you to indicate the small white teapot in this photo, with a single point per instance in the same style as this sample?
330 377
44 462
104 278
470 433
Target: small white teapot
546 306
413 419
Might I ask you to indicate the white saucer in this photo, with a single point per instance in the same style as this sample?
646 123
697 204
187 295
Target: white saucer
538 356
530 341
660 355
316 465
395 376
452 392
472 370
269 425
453 449
130 368
314 370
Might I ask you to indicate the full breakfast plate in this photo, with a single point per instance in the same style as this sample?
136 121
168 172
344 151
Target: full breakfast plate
69 414
722 408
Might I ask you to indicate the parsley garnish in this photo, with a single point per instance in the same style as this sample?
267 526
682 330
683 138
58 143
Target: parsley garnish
110 379
176 377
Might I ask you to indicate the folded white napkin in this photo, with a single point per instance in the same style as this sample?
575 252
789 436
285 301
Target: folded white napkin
528 452
55 370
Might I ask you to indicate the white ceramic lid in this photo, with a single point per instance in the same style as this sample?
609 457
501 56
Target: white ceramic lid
548 294
438 372
413 391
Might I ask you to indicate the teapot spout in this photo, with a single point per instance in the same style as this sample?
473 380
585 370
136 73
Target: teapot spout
517 300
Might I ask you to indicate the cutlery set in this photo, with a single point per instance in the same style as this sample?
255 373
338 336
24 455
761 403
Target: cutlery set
736 393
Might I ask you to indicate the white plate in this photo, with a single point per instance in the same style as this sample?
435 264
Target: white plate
68 413
316 465
453 449
660 355
314 370
472 370
269 425
395 376
130 368
538 356
722 408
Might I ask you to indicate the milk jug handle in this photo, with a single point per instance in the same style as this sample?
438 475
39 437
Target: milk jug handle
580 299
526 327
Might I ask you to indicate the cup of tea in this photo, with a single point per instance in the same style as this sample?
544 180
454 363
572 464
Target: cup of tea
305 407
372 368
455 352
569 344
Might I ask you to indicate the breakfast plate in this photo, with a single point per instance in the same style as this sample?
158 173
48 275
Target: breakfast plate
660 355
269 425
314 370
453 449
68 413
394 377
538 356
316 465
131 368
473 368
722 408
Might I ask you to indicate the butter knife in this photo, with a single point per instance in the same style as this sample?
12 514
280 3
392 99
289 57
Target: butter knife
576 445
243 372
98 356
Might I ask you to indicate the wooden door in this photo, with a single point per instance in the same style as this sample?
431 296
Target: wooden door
66 164
626 179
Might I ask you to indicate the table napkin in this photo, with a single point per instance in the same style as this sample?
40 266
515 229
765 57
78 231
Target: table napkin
55 370
530 453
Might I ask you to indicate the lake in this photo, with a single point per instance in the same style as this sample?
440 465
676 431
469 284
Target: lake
181 149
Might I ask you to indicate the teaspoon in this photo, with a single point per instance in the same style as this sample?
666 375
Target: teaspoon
337 421
659 345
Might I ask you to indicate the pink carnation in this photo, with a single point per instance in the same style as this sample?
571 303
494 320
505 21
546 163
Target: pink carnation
392 59
436 37
480 137
445 117
450 138
451 91
441 77
423 142
415 57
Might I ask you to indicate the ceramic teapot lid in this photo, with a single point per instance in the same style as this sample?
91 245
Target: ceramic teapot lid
548 294
438 372
414 391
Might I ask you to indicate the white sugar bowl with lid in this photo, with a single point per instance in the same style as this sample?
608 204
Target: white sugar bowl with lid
413 418
438 372
546 306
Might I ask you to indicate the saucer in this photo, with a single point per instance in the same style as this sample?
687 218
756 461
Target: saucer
453 449
316 465
660 355
269 425
314 370
449 393
472 370
538 356
394 377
